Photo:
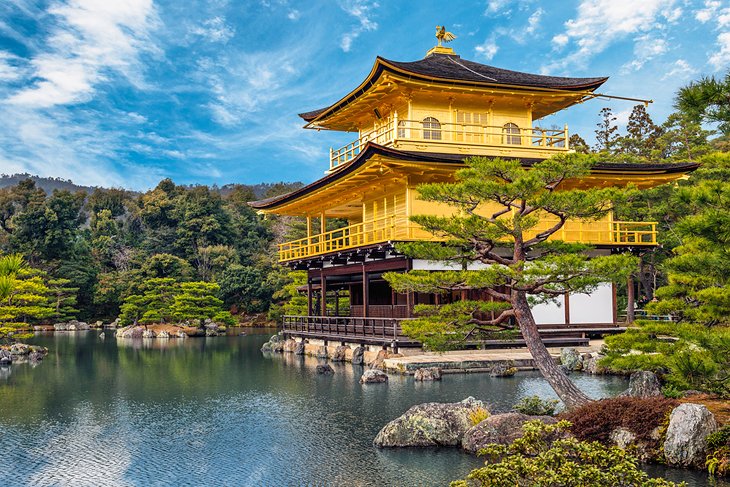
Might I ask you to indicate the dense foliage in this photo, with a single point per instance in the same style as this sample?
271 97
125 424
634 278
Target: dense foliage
544 456
99 249
688 356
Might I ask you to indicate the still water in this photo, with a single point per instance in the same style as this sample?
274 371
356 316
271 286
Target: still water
215 411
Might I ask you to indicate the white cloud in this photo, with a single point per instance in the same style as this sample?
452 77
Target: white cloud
363 11
720 59
89 39
534 21
294 15
488 49
599 23
681 70
646 48
710 9
10 67
214 30
498 7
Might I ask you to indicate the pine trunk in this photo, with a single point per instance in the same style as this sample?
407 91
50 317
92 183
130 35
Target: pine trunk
566 390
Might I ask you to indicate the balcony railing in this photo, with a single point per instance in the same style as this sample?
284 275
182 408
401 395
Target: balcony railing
400 228
512 137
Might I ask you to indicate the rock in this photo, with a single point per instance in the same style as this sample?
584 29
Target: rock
358 355
210 332
276 338
130 332
19 349
373 376
499 428
266 347
300 348
210 325
379 359
102 336
114 324
277 347
643 384
570 359
339 355
429 424
686 443
590 363
76 325
163 334
148 334
622 438
290 345
503 369
325 369
6 357
321 352
181 334
72 327
427 373
99 324
35 356
60 327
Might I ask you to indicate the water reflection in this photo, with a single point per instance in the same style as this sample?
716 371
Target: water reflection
216 411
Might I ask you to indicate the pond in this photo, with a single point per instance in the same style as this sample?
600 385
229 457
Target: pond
216 411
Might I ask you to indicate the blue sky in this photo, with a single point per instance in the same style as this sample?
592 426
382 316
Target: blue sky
126 92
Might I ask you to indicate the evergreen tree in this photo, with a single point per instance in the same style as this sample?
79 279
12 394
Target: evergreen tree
23 298
707 100
607 132
500 206
643 134
62 299
578 144
196 301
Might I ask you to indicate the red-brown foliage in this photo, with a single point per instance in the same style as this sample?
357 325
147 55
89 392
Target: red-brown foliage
596 421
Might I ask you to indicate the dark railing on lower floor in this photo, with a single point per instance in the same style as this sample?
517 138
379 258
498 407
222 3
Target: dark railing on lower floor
346 327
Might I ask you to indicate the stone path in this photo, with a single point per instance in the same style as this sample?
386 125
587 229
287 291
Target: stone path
465 361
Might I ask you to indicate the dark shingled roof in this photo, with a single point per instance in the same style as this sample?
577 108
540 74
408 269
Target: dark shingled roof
453 69
372 149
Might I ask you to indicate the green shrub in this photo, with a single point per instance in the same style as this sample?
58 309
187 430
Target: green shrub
544 457
671 392
535 406
477 415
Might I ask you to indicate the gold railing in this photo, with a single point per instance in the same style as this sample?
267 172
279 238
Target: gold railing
399 228
460 133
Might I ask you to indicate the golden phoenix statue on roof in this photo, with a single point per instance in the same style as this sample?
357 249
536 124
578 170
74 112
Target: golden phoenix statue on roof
443 35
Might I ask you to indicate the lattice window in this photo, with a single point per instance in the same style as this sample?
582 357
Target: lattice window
511 134
431 129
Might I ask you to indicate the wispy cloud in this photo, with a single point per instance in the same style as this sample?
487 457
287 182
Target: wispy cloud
364 12
214 30
90 39
488 49
680 69
600 23
718 12
646 48
720 59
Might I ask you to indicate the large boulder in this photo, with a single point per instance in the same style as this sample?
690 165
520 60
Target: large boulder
163 334
499 428
325 369
6 357
60 327
322 352
379 361
571 359
686 441
427 373
19 349
148 334
590 363
430 424
643 384
358 355
505 368
300 348
339 355
373 376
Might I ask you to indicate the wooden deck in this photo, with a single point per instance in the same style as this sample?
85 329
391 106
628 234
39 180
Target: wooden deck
388 332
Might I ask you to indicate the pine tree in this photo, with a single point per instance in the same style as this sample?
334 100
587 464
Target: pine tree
505 215
578 144
642 138
23 298
607 132
62 299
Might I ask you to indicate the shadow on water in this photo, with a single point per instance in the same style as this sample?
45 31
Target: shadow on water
216 411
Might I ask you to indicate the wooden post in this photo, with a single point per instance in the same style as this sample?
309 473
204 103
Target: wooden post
566 299
337 302
309 297
365 292
309 226
323 292
630 315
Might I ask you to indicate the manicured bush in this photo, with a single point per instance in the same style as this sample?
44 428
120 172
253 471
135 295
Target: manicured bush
718 458
477 415
641 416
535 406
544 457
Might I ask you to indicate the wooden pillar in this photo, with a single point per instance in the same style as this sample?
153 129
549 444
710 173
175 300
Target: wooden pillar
323 292
566 300
365 292
309 226
309 297
630 316
337 302
322 223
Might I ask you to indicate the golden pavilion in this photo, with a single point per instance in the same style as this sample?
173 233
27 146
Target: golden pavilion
416 122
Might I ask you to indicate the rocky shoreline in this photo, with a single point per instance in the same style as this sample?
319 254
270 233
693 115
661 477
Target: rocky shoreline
19 353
